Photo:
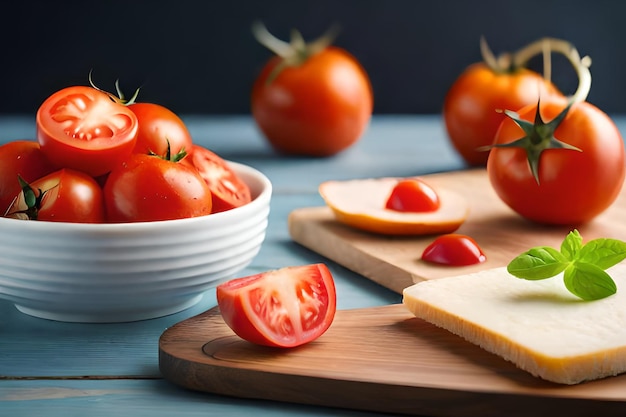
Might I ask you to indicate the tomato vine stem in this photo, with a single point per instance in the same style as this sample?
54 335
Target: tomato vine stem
539 135
120 95
295 52
500 64
548 46
510 62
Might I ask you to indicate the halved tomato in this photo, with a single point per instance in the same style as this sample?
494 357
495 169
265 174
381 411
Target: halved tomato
85 129
454 249
364 204
413 195
282 308
228 190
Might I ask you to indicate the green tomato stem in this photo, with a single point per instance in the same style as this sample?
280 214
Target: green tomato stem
271 42
547 46
294 53
510 62
500 64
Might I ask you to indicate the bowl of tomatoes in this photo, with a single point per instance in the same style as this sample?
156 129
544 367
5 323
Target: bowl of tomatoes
142 235
114 272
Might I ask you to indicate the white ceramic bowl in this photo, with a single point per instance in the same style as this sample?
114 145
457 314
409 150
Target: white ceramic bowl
132 271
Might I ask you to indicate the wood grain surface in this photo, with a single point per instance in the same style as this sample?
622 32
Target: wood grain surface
377 359
395 263
384 359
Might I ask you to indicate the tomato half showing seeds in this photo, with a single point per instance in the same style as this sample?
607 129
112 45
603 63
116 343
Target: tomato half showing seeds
150 188
159 125
85 129
62 196
227 189
360 204
283 308
454 249
413 195
22 158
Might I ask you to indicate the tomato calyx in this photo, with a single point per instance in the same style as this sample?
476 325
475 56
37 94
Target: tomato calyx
119 98
539 135
295 52
33 200
168 156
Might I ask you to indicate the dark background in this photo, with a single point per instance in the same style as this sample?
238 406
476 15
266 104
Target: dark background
199 57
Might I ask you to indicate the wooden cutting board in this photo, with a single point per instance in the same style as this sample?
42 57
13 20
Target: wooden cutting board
384 359
377 359
395 263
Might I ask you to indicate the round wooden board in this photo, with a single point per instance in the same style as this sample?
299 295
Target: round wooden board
376 359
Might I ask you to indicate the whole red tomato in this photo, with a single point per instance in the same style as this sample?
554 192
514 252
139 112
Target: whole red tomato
85 129
576 178
22 158
227 189
282 308
470 109
62 196
158 125
312 101
150 188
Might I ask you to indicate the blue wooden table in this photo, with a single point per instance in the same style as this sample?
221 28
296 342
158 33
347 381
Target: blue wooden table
63 369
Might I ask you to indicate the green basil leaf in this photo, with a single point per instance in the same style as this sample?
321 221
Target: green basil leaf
538 263
583 265
571 245
588 281
603 253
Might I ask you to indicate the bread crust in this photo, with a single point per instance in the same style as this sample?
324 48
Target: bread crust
538 326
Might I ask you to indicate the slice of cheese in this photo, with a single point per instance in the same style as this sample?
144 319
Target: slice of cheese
537 325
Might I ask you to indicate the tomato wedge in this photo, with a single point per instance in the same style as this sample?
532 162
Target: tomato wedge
228 190
454 249
282 308
85 129
413 195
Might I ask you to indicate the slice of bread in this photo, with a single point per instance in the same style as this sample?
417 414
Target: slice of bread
537 325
